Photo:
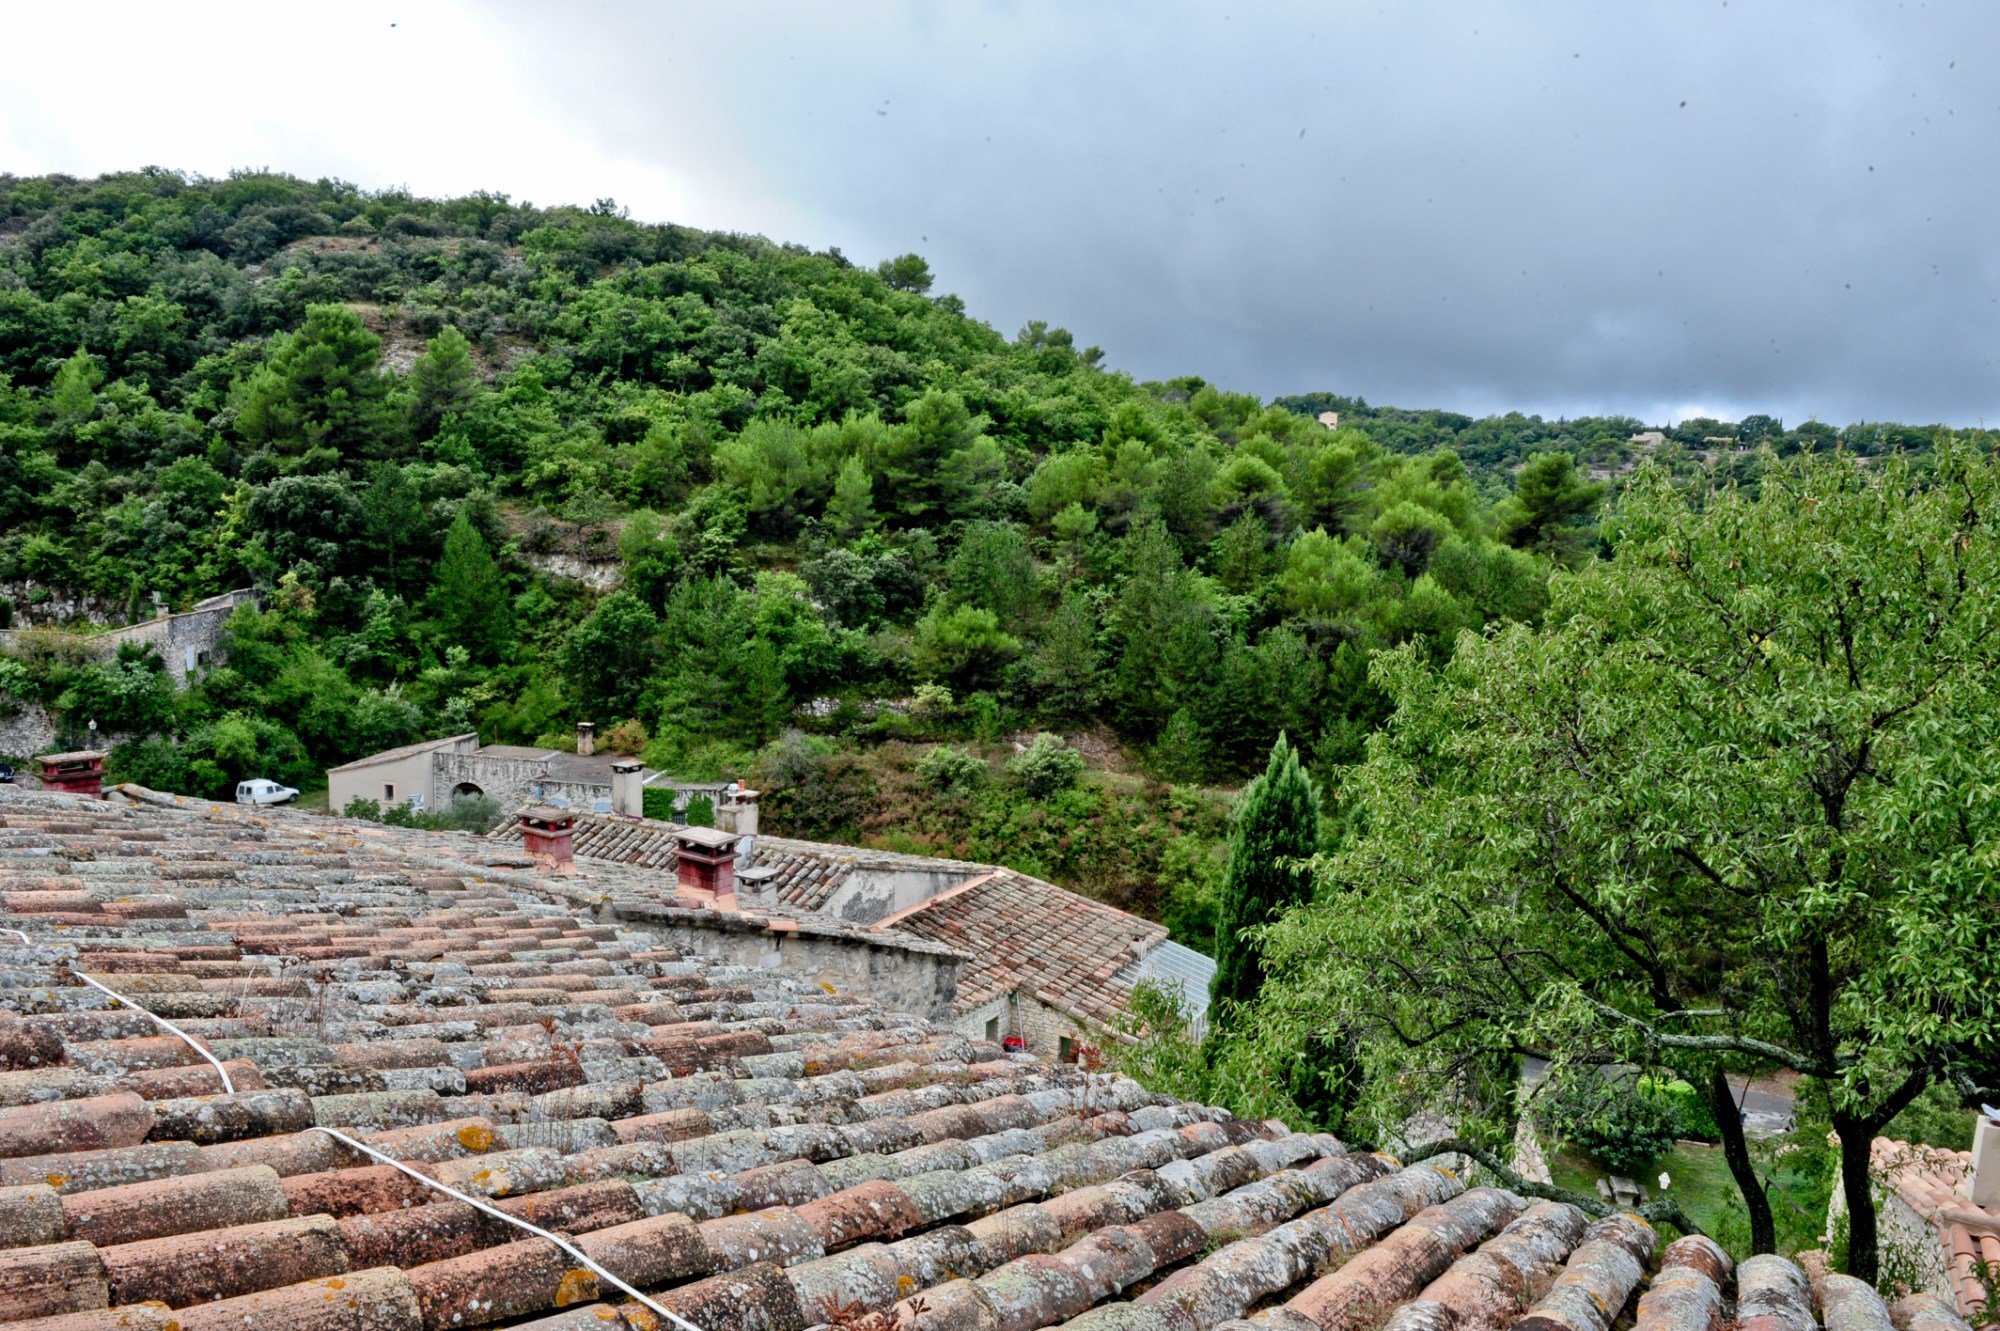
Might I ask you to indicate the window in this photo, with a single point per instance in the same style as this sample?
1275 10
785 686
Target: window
1065 1050
388 793
993 1030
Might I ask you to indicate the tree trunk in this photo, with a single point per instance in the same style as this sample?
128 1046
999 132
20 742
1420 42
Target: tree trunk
1856 1137
1736 1150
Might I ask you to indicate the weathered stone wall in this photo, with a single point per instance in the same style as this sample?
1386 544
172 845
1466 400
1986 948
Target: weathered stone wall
187 641
30 730
514 782
903 975
1042 1028
874 892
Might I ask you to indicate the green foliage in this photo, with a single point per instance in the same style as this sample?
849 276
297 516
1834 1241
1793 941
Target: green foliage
1772 700
1277 834
1047 767
469 599
1623 1126
816 791
1688 1109
952 772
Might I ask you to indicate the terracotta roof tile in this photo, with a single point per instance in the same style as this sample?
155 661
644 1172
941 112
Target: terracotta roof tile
754 1152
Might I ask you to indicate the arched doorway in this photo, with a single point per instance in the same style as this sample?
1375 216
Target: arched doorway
466 790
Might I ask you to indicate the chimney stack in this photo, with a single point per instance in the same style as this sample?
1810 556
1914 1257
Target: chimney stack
79 773
628 788
1983 1185
586 738
705 860
743 810
546 832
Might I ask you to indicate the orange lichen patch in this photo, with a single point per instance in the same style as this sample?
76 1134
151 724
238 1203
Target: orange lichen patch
577 1286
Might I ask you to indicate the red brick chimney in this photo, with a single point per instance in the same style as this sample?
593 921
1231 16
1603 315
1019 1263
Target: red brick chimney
706 857
546 831
79 773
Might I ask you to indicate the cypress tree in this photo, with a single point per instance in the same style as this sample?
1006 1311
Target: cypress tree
1277 824
470 598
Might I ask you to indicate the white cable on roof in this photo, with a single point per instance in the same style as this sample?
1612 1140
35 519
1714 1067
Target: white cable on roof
515 1221
228 1086
391 1161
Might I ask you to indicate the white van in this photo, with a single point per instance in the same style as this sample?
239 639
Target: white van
260 791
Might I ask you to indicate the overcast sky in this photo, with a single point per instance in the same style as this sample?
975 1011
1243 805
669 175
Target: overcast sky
1663 209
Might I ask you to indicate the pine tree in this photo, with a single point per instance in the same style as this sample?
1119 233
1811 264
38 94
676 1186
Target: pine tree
470 599
852 509
1277 827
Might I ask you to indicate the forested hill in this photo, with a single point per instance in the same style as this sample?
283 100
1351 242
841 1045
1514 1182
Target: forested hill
511 467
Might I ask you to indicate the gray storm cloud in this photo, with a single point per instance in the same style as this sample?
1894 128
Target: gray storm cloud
1577 207
1562 207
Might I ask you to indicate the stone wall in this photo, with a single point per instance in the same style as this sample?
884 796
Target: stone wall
187 642
1042 1028
904 975
514 782
873 892
30 730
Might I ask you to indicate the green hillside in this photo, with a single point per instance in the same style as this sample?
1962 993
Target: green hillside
509 467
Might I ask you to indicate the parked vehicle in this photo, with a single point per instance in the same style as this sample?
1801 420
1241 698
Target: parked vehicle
261 791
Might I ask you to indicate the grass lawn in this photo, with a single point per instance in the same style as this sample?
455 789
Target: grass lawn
1706 1190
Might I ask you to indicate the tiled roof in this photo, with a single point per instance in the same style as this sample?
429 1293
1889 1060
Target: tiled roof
1931 1181
807 873
1029 935
407 751
753 1153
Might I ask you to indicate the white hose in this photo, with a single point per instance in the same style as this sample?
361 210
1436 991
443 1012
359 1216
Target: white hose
513 1220
391 1161
228 1086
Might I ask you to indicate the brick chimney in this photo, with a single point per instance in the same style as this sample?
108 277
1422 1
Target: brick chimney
586 738
628 788
79 773
706 858
547 831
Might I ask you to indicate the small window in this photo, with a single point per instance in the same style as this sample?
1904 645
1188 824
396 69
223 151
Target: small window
388 793
993 1030
1065 1050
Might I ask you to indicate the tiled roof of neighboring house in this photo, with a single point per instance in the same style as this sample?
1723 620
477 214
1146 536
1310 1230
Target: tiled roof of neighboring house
807 873
1025 934
1931 1181
407 751
751 1152
1181 970
1076 954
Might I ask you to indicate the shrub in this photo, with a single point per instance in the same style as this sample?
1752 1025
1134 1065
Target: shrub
1616 1124
658 803
1046 767
950 771
815 793
627 737
1688 1107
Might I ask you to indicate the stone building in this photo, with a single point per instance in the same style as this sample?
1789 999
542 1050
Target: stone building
1050 969
431 774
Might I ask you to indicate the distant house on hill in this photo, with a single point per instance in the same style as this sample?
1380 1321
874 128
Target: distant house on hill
1330 419
432 774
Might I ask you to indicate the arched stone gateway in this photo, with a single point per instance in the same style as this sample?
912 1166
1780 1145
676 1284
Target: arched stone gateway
466 790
